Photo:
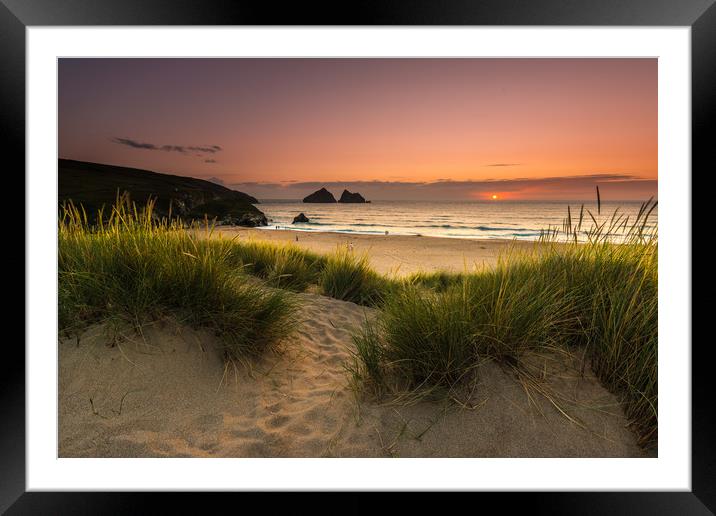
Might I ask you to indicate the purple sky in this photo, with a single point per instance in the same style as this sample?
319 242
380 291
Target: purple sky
390 128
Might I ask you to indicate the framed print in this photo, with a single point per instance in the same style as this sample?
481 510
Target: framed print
411 250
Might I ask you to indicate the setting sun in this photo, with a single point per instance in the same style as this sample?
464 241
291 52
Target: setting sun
494 197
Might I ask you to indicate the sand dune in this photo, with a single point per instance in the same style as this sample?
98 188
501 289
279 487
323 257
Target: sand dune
167 393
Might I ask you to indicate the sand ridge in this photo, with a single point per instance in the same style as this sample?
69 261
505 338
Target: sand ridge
168 393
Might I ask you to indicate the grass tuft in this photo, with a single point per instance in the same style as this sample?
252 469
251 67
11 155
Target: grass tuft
600 296
285 266
437 280
135 267
349 277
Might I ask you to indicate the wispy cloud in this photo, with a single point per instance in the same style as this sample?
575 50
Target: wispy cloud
210 161
183 149
503 164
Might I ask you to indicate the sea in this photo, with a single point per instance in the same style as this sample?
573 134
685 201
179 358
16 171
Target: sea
521 220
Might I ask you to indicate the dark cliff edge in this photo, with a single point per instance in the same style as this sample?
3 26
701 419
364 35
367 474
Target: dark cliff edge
94 185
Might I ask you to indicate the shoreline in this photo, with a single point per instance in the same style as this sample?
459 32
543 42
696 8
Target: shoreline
272 227
392 254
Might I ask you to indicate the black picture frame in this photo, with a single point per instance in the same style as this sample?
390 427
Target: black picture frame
700 15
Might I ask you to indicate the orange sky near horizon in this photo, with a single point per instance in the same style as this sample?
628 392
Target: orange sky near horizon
277 122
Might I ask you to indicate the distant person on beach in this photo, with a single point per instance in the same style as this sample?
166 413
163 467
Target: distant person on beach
386 232
296 238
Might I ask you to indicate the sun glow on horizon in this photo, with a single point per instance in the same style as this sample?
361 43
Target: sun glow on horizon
421 128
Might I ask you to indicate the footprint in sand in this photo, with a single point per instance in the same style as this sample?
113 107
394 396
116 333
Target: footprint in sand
277 421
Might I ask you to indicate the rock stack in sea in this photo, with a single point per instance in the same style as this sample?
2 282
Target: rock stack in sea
322 195
355 197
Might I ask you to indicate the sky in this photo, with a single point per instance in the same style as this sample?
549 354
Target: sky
453 129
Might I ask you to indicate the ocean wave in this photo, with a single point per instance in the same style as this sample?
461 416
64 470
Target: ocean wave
489 228
312 223
358 231
477 236
479 228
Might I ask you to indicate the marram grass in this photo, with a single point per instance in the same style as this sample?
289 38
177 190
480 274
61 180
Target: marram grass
600 296
285 266
132 267
128 264
349 277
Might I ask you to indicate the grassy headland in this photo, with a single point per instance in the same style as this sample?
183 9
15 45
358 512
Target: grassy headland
96 186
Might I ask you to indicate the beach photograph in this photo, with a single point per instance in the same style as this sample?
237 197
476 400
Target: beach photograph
357 257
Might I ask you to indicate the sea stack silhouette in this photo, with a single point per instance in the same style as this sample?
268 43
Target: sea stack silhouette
301 217
347 196
321 195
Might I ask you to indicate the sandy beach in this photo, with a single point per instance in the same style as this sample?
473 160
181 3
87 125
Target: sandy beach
392 254
166 392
